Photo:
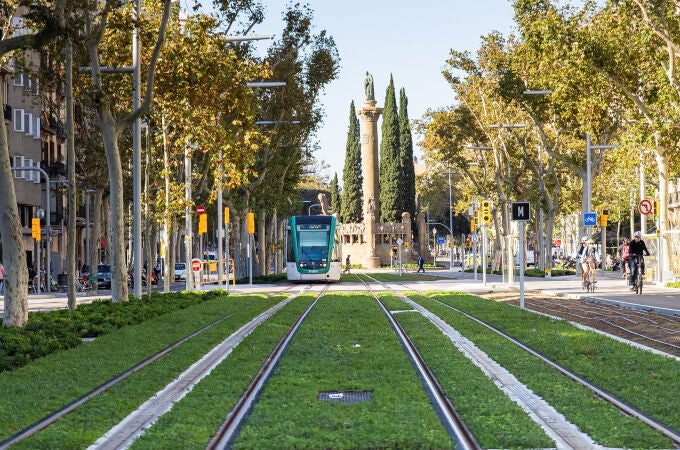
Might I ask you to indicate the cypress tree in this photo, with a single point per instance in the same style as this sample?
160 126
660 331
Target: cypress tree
390 203
335 195
352 176
408 175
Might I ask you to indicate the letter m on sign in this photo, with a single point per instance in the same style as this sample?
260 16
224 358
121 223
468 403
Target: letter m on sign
520 211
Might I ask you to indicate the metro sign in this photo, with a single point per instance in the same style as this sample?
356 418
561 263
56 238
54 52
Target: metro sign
520 211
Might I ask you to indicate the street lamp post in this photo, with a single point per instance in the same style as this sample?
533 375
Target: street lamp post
449 172
589 205
87 229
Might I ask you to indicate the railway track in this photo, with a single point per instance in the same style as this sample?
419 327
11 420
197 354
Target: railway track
559 432
458 430
565 435
228 430
125 432
649 329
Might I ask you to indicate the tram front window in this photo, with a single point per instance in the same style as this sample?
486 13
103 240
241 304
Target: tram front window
313 249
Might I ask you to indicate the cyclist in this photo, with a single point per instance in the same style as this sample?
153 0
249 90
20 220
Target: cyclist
589 258
624 254
637 247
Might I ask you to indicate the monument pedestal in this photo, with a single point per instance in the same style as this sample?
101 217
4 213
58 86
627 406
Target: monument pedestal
373 262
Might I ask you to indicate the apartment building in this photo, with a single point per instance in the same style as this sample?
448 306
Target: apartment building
36 139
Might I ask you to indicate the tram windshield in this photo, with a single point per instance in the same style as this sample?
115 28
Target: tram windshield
313 244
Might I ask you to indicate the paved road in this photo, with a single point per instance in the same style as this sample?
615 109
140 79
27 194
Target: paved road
610 289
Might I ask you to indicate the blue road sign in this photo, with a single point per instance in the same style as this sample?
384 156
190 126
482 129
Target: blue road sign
590 219
441 240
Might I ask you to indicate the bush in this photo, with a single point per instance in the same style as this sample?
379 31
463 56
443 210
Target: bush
48 332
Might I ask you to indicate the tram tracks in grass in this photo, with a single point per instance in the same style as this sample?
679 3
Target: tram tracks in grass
654 419
452 421
647 328
39 430
228 429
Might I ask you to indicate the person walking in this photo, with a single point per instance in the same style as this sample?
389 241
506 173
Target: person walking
2 278
421 261
348 264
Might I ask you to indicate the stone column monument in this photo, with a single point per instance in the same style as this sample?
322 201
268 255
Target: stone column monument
369 115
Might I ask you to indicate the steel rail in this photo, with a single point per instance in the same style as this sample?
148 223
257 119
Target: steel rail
600 392
48 420
229 428
452 421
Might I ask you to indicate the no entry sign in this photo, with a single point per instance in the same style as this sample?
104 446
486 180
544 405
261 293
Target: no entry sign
196 265
200 209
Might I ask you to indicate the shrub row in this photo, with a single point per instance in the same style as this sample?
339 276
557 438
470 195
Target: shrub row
48 332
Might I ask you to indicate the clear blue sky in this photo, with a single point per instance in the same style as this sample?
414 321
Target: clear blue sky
409 39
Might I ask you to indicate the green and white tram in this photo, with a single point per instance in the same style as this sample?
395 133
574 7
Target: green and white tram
312 253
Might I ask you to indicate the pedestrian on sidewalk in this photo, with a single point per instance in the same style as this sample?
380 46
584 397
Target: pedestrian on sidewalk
348 264
421 261
2 278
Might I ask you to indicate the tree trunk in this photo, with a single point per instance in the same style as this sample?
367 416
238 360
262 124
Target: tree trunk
262 242
119 286
13 254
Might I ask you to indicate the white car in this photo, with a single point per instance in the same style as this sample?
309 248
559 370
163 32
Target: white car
180 271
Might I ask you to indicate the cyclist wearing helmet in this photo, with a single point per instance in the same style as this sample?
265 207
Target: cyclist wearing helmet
637 247
589 258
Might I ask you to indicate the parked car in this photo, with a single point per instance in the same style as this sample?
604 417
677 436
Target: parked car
180 271
104 276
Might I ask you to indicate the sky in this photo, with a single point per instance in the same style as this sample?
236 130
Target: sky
409 40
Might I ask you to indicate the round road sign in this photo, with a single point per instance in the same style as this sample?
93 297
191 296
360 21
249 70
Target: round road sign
645 206
200 209
196 265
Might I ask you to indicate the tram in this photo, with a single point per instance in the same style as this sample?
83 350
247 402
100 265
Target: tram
312 252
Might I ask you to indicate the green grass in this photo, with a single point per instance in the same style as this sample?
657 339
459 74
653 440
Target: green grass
642 378
194 420
495 420
345 344
31 392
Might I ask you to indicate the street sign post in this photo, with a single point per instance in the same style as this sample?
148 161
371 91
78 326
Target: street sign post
520 213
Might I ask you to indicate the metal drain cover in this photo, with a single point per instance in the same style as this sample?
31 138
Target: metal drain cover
345 396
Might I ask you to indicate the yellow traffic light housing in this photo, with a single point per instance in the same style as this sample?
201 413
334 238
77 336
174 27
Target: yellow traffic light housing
251 223
202 224
603 217
35 228
657 213
486 212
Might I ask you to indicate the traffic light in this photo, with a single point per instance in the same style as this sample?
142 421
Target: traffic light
405 244
472 225
35 228
202 224
656 210
251 223
486 212
226 214
603 217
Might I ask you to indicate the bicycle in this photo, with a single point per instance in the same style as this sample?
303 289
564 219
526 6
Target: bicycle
86 284
590 282
640 274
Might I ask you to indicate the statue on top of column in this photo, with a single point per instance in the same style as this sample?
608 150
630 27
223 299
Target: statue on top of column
368 86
